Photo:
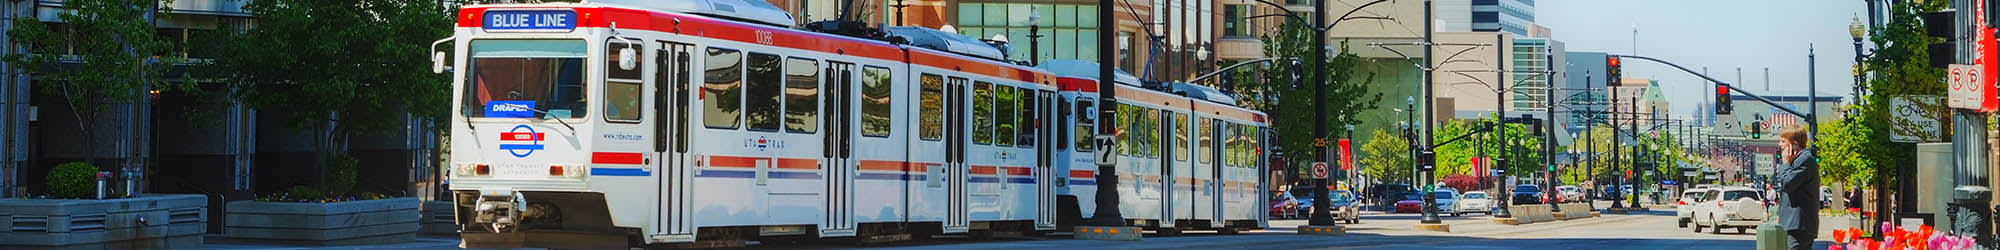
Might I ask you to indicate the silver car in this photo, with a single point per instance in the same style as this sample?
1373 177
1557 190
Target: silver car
1473 202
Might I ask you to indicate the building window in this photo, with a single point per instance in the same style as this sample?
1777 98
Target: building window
1233 21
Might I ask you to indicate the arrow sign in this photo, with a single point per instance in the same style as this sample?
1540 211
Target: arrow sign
1107 153
1319 170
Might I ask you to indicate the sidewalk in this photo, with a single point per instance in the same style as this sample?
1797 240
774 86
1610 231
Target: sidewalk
422 242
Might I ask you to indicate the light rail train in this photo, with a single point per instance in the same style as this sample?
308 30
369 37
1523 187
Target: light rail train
616 123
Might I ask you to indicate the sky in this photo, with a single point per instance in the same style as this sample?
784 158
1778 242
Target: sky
1721 35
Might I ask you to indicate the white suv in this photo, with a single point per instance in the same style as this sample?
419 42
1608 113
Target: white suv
1737 207
1684 209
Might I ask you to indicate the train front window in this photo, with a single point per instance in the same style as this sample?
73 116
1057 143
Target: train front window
525 79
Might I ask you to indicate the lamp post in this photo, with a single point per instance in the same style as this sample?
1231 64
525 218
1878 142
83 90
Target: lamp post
1345 172
1034 37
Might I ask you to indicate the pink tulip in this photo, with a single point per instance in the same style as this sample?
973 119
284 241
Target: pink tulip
1833 247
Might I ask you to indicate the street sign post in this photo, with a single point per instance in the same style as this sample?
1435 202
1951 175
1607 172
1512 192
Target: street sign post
1319 170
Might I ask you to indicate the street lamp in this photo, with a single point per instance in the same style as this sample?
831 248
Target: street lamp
1034 37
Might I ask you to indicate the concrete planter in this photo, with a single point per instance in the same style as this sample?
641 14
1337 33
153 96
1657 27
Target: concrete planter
148 221
338 223
438 218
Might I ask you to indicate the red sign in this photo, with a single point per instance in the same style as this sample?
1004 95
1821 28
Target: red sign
1346 156
1319 170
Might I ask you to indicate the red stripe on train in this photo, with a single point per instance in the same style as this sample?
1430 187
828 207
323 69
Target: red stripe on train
617 158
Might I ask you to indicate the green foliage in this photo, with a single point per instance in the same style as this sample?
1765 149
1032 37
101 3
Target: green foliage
72 180
1347 92
339 174
1524 155
1388 157
106 53
1844 151
321 59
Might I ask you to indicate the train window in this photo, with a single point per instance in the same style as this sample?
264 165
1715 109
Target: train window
1061 121
1125 143
1155 139
622 88
1004 108
546 75
1180 137
982 113
931 126
801 95
1030 121
611 69
762 87
722 89
875 97
1204 138
1256 147
1228 144
1086 124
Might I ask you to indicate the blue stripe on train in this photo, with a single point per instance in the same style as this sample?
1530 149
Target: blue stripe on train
726 174
793 175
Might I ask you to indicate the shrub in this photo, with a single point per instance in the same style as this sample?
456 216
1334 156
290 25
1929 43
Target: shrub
73 180
339 175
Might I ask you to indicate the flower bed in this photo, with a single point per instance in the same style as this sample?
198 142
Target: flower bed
146 221
1898 238
324 223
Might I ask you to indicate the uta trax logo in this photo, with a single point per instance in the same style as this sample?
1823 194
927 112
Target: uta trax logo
521 141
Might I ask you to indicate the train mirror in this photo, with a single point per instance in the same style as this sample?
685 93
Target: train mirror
437 62
628 59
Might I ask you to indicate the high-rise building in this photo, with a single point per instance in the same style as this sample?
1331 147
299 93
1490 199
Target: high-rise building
1530 87
1156 39
1511 16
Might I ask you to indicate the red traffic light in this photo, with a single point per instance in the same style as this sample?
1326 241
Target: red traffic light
1721 90
1613 61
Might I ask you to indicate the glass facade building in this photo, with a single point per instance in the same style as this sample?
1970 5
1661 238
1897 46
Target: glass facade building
1512 16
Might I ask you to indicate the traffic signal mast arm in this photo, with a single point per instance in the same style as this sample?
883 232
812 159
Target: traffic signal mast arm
1809 117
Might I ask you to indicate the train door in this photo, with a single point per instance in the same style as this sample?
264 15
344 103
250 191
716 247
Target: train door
1216 169
838 140
670 126
1045 179
957 218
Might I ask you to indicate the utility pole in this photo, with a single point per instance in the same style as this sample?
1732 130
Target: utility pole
1106 214
1633 168
1589 131
1548 140
1430 99
1617 203
1320 201
1971 214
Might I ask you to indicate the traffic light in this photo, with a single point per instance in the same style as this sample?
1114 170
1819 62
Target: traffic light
1943 25
1757 130
1427 159
1298 75
1613 73
1722 105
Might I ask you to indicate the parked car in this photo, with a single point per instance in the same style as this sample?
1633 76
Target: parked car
1283 206
1345 206
1447 200
1302 201
1569 194
1731 207
1684 209
1473 202
1527 194
1411 203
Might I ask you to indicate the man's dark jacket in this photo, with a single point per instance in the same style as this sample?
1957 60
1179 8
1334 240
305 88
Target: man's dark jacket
1798 193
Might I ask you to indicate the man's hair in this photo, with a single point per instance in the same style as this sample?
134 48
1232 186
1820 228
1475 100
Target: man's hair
1795 134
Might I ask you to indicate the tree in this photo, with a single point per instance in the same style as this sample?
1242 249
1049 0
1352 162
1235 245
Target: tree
1843 152
1900 67
338 67
107 54
1347 92
1388 157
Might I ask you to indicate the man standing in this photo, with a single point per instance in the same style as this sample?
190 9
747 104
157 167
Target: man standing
1798 188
